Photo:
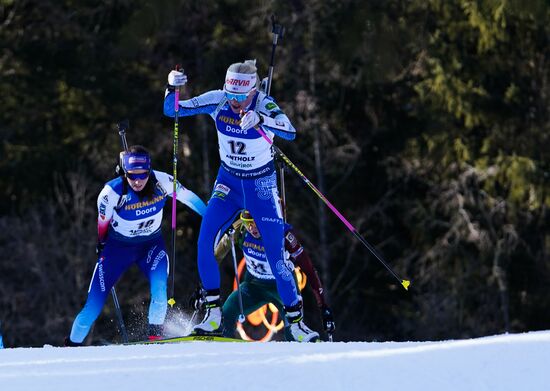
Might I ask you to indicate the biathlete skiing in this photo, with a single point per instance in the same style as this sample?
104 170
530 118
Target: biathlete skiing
246 180
258 285
129 232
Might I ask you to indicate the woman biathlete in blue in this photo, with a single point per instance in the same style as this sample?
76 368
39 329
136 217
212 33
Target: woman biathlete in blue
246 180
129 232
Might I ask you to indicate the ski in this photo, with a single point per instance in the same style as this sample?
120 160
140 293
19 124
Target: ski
188 338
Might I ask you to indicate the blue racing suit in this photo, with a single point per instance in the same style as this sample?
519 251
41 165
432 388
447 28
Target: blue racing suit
130 228
246 180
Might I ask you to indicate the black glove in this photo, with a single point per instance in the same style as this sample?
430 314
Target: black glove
197 300
328 319
99 248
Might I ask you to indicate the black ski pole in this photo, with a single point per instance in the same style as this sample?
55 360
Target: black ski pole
122 126
119 317
171 300
239 293
278 31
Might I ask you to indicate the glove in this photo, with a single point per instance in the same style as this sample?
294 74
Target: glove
250 120
177 78
99 248
328 319
197 300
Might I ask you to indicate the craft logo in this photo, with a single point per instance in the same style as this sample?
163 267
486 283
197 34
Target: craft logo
271 220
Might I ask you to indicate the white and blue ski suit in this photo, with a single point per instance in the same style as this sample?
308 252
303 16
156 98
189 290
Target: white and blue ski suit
130 227
246 180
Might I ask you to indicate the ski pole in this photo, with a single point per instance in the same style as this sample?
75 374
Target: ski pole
373 251
354 231
278 31
232 237
171 300
190 322
119 317
122 126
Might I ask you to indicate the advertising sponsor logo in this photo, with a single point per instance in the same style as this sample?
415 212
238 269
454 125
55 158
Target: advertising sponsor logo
280 123
265 187
271 106
291 238
138 232
145 211
283 270
101 276
102 209
271 220
240 166
254 246
237 82
150 254
220 187
137 159
143 204
229 120
231 129
158 258
241 158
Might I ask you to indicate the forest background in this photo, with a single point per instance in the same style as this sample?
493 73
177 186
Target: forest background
425 122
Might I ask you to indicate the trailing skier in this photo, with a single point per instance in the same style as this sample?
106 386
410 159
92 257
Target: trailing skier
258 285
129 232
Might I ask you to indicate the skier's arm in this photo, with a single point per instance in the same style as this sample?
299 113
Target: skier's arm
183 195
203 104
224 245
106 203
274 120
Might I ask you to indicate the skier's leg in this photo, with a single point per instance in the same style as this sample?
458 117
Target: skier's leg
110 265
262 200
222 209
253 298
265 209
155 267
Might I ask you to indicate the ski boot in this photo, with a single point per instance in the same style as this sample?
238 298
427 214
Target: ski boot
155 332
212 322
68 343
298 330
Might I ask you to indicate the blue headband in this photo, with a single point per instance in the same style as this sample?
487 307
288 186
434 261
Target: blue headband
136 161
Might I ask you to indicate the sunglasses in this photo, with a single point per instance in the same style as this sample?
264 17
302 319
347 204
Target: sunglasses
238 97
140 176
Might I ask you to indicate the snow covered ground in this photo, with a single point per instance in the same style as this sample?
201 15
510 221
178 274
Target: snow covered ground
504 362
